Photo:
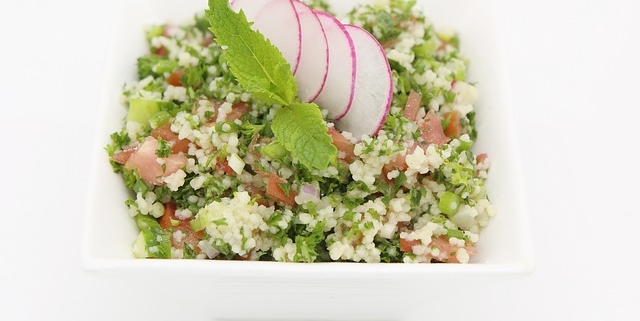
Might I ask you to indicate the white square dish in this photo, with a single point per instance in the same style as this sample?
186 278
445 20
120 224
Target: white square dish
296 291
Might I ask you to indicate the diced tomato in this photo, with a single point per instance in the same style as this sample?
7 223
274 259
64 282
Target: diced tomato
432 132
237 111
275 192
161 51
224 166
411 108
448 250
180 146
165 133
479 158
342 144
407 246
189 236
122 156
398 163
169 214
174 78
454 130
256 193
207 41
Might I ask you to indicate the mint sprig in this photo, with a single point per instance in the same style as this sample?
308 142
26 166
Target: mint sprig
256 63
261 70
301 133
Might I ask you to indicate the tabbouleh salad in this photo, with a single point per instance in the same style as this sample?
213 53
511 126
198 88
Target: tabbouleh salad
209 180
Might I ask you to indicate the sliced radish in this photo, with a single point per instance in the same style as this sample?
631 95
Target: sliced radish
278 21
311 73
251 8
337 94
373 87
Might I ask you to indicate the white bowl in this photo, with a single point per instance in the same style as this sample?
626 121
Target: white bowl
347 291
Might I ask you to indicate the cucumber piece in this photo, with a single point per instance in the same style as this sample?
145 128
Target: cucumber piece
141 110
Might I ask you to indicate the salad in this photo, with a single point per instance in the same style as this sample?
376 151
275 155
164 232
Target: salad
238 145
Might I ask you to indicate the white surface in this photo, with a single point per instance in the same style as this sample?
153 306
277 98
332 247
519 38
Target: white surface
573 68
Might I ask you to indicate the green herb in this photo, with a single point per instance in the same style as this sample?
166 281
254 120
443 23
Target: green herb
188 252
389 250
416 195
457 234
165 65
164 149
275 150
227 127
257 64
261 69
300 129
157 241
306 245
145 65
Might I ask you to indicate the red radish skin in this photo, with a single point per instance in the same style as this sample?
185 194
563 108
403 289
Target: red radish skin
311 73
373 88
278 21
337 95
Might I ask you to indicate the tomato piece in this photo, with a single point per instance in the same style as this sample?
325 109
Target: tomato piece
207 41
407 246
174 78
342 144
169 214
453 130
257 194
432 132
161 51
165 133
189 237
448 250
275 192
122 156
411 108
224 166
237 111
181 146
481 158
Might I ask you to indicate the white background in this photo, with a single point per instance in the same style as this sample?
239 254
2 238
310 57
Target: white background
573 67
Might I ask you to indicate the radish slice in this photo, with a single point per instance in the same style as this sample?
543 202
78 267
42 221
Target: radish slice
278 21
337 94
251 8
311 73
373 88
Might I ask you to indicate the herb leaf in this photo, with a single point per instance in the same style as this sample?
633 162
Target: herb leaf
300 129
256 63
261 69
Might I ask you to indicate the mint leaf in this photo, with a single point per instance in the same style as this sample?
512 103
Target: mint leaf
261 70
256 63
300 129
